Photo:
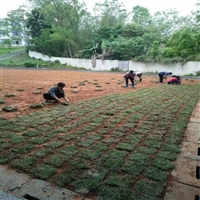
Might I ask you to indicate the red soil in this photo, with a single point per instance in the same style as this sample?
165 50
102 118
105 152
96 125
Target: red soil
31 80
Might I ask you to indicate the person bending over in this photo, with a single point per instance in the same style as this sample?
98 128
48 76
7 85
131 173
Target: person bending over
56 93
174 80
163 75
139 75
129 75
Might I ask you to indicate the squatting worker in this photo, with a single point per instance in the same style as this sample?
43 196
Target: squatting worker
129 75
163 75
56 93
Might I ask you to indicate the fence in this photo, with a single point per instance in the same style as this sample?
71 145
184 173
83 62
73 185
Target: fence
176 68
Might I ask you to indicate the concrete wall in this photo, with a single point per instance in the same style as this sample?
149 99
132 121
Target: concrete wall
175 68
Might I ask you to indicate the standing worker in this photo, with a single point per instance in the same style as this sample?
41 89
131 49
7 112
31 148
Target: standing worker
163 75
56 93
129 75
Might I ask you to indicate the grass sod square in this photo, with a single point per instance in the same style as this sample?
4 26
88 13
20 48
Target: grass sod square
113 153
156 174
54 144
2 101
139 157
79 163
24 164
168 155
63 179
84 143
110 140
7 157
91 184
95 137
9 95
69 150
171 148
125 146
4 146
32 133
153 143
50 134
133 168
146 150
107 192
90 154
41 152
44 128
124 181
57 160
114 164
118 134
38 140
173 139
43 172
16 139
23 149
163 164
99 146
148 189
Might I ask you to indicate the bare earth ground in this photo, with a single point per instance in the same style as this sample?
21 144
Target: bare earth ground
41 80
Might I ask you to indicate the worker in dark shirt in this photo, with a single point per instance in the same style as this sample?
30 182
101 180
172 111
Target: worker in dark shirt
129 75
56 93
163 75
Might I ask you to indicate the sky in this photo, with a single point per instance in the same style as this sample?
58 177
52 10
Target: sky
184 7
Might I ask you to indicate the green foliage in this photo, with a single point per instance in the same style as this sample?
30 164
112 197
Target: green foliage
182 43
115 69
30 64
198 73
36 22
8 42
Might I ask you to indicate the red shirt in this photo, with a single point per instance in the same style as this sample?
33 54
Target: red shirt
129 75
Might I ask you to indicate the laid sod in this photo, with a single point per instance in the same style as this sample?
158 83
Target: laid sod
113 147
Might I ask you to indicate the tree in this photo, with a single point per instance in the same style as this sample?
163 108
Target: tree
110 12
8 42
36 23
65 14
16 23
155 49
141 16
182 43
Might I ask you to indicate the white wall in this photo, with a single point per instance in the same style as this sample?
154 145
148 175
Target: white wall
175 68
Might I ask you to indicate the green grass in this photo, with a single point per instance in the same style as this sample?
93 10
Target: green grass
101 146
6 50
43 172
24 60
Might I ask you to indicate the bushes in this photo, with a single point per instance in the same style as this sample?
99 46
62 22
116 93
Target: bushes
198 73
115 69
30 64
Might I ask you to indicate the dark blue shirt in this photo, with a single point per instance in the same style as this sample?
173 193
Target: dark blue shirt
164 73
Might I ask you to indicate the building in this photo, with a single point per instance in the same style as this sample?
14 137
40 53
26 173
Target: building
16 36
